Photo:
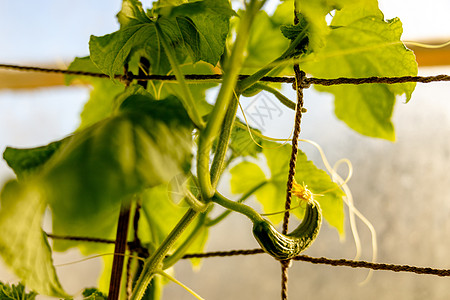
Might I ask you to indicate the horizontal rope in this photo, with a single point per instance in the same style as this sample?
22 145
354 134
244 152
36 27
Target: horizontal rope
333 262
314 260
80 239
284 79
374 266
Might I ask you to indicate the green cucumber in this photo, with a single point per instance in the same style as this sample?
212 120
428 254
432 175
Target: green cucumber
284 247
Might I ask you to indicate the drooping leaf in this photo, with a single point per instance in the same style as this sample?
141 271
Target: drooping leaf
197 29
272 195
15 292
145 145
101 103
365 47
25 162
23 244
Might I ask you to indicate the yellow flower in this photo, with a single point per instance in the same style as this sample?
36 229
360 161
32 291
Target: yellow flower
301 191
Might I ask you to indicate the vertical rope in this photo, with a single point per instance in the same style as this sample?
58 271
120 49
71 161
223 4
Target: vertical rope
299 77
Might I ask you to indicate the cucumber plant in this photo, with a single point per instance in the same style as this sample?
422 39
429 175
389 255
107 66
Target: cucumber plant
136 137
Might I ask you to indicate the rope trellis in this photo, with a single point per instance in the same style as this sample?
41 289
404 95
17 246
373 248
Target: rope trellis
300 82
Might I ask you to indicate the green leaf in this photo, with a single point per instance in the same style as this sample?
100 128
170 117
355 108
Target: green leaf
15 292
242 144
265 43
272 195
366 47
196 29
145 145
26 162
94 294
132 14
23 244
193 8
101 103
252 173
314 13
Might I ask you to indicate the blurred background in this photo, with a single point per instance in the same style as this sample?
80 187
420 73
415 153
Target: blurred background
400 187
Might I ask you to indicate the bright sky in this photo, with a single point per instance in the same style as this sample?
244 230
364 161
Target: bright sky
55 30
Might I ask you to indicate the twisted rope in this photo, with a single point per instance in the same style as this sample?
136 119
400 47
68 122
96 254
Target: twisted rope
333 262
281 79
314 260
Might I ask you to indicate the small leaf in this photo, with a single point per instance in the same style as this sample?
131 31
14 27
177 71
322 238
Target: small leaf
23 244
272 195
292 31
15 292
94 294
314 13
242 144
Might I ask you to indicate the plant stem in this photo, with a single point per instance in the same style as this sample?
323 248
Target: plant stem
231 71
154 262
222 144
287 54
178 254
282 98
242 199
188 99
238 207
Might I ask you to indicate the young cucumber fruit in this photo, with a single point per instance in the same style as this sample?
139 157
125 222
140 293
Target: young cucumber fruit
284 247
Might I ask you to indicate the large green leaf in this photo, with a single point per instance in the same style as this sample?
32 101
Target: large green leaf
23 244
145 145
272 195
101 102
363 47
197 29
